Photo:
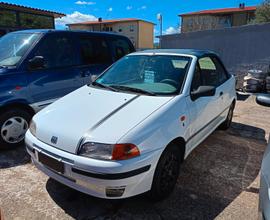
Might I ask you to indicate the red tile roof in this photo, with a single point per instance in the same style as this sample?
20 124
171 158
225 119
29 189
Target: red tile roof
111 21
30 9
220 11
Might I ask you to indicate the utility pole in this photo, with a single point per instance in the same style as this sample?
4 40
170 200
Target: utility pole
159 17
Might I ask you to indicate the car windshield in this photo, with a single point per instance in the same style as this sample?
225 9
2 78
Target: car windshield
146 74
14 46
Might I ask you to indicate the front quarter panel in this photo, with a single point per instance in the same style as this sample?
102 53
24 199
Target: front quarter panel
13 88
160 128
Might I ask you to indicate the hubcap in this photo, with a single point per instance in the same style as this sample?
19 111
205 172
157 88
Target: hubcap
14 129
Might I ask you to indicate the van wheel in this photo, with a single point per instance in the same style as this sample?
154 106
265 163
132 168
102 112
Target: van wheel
166 173
227 123
13 126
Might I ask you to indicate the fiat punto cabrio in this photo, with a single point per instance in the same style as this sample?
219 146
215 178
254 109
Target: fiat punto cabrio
128 131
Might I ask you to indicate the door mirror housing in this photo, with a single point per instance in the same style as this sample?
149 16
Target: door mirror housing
263 100
203 91
94 77
36 62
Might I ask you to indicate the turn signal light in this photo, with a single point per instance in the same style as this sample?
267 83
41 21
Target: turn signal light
125 151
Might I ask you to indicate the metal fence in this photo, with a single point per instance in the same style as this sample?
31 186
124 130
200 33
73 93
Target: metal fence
241 48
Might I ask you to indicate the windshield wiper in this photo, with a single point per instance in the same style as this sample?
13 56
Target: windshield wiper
132 89
104 86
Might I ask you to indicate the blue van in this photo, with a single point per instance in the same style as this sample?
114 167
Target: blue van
39 66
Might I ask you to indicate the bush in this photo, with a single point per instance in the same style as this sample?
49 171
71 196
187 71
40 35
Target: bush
262 14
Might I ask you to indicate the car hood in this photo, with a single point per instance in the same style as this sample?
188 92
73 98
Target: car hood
101 115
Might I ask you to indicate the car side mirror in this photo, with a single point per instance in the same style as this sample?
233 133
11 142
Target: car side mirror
36 62
203 91
263 100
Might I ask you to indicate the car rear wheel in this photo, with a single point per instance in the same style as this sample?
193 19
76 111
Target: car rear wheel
13 126
166 173
227 123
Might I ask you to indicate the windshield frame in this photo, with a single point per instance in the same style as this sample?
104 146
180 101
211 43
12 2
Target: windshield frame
28 51
177 92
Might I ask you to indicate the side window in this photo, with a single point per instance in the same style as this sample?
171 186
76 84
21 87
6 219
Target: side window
209 73
121 48
221 71
94 51
57 50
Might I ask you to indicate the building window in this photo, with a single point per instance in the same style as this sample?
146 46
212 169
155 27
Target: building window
131 28
224 21
35 21
190 23
8 18
120 30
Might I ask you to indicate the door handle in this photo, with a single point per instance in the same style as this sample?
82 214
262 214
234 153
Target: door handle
221 94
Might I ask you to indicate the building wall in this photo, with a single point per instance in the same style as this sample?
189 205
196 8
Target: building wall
146 35
128 29
241 48
240 19
80 27
141 34
205 22
210 22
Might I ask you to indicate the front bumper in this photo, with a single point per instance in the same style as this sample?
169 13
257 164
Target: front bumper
98 178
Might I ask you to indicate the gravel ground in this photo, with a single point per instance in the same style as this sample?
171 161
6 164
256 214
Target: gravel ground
219 180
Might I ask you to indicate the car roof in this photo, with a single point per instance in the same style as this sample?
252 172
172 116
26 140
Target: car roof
193 52
44 31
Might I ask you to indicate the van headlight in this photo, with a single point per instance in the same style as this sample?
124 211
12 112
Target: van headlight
32 128
109 151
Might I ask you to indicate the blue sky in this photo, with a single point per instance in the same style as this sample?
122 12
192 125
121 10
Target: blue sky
81 10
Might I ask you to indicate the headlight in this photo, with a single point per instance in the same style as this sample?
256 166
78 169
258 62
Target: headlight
109 151
32 128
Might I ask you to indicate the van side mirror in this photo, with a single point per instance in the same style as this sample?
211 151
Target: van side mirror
203 91
36 62
263 100
93 78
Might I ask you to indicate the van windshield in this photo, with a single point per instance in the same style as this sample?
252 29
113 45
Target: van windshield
14 46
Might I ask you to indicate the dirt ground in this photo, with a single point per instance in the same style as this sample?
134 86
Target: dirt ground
219 180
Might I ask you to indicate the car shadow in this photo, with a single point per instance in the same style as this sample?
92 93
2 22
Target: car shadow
212 176
14 157
242 96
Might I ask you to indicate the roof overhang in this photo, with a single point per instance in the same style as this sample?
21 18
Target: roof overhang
21 8
220 11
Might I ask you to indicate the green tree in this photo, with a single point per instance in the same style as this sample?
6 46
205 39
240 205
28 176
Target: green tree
262 13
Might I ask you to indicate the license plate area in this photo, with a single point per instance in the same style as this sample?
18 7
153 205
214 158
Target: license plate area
51 163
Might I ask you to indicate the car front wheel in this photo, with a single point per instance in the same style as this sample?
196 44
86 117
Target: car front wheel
13 126
166 173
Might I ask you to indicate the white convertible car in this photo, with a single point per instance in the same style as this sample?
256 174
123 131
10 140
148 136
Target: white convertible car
129 131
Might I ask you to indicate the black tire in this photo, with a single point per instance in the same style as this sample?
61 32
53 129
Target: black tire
227 123
4 117
166 173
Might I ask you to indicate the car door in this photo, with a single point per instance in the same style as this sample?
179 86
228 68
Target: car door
95 56
58 76
204 110
223 88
